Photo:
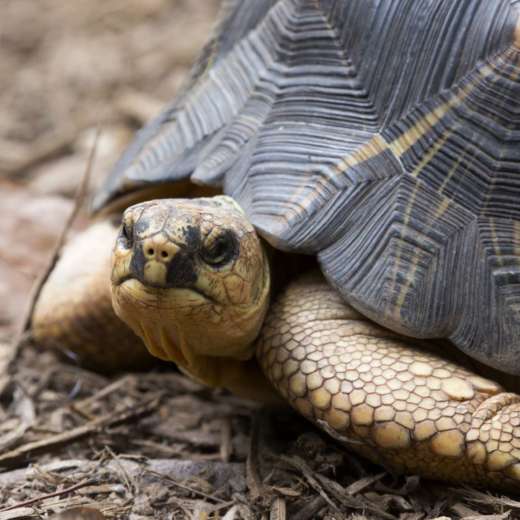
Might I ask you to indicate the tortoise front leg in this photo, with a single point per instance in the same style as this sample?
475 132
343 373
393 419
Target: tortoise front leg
74 311
391 401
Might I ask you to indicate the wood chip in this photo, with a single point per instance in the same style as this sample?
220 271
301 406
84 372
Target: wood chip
20 512
278 509
226 446
79 513
254 482
363 483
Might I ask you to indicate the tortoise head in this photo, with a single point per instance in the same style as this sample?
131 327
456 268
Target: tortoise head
190 276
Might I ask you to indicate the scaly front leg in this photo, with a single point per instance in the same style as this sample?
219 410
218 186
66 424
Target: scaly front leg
391 401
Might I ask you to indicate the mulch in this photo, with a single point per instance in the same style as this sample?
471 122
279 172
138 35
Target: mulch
158 445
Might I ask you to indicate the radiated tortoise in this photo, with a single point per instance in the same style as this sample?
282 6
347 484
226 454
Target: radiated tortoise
368 157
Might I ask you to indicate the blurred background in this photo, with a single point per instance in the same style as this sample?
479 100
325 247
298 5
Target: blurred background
67 68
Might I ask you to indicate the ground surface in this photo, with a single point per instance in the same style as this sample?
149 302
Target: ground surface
152 445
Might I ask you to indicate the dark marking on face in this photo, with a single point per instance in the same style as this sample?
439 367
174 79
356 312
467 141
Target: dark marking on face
141 226
192 238
181 270
126 235
138 262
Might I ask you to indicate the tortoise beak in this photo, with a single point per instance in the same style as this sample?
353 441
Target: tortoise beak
156 261
162 264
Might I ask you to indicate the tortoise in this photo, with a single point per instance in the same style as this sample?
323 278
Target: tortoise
327 214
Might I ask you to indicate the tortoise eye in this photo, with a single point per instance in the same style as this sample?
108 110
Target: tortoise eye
127 232
221 250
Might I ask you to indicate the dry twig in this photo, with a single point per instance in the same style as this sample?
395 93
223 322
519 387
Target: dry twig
94 426
58 493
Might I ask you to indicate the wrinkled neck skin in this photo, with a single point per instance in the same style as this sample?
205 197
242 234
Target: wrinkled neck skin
212 342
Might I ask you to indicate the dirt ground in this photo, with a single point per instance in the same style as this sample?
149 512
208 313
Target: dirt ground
75 444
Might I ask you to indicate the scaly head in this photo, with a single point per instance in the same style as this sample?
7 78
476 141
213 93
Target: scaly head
191 277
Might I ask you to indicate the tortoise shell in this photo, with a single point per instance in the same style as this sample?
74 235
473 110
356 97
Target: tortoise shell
382 136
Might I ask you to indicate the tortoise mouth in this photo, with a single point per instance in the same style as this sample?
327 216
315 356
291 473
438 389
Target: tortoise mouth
150 313
161 295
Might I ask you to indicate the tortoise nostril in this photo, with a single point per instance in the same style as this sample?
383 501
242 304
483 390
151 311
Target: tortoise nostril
164 254
151 251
